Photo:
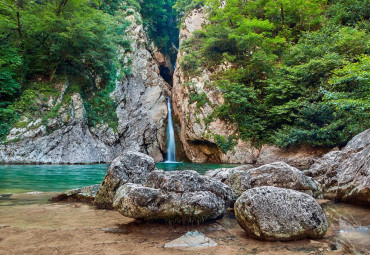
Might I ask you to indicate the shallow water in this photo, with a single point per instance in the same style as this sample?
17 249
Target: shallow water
45 178
200 168
25 189
43 228
48 178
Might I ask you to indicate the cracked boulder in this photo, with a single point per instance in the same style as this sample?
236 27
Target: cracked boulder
277 214
131 167
278 174
222 174
175 197
344 175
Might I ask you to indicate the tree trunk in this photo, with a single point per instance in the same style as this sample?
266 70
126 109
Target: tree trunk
282 15
19 24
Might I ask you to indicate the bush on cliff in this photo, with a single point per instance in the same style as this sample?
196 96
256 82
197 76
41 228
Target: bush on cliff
298 70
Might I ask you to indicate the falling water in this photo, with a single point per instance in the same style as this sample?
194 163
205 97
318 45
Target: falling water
171 147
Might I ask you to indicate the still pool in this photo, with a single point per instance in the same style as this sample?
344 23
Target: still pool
48 178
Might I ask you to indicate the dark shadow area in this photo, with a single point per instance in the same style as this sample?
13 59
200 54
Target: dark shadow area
166 74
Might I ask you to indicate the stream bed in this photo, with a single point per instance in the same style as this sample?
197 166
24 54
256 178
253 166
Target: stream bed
30 224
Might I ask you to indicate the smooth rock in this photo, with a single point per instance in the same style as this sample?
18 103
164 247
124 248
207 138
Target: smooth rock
345 175
179 197
85 194
131 167
191 241
278 174
277 214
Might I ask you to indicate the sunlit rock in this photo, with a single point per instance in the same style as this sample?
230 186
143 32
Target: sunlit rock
277 214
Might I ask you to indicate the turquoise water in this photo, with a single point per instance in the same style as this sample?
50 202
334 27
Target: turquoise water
49 178
46 178
200 168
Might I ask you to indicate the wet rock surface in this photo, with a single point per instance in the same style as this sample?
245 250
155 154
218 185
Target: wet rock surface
131 167
85 194
277 214
177 197
345 175
191 241
278 174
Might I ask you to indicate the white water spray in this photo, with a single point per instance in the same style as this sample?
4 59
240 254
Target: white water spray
171 147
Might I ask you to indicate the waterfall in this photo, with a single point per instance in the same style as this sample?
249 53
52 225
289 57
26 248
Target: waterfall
171 147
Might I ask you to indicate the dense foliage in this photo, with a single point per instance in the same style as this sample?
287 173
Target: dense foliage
44 39
299 68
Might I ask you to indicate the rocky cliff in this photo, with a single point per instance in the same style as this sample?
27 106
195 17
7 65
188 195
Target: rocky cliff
66 137
202 136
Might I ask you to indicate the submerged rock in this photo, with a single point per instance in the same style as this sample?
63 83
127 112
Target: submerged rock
277 214
354 241
180 197
85 194
191 241
345 175
278 174
131 167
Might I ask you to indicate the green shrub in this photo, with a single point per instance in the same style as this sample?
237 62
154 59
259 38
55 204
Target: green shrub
225 144
200 98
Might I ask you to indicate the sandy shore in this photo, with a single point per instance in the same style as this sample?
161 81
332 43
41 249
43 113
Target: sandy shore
76 228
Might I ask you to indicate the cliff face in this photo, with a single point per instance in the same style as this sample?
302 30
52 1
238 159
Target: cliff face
66 137
197 138
199 133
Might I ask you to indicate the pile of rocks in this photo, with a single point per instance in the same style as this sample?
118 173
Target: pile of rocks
344 175
273 202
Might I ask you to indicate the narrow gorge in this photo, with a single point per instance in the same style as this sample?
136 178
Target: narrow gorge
62 134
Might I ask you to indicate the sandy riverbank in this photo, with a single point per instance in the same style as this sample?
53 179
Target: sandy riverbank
75 228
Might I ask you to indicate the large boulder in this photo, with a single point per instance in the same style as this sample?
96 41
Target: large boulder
277 214
344 175
278 174
222 174
131 167
179 197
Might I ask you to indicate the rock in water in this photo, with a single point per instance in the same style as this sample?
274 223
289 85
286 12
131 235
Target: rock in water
191 241
278 174
179 197
131 167
85 194
277 214
344 175
222 174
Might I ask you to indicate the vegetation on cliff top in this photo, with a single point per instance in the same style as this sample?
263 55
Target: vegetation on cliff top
43 40
299 69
